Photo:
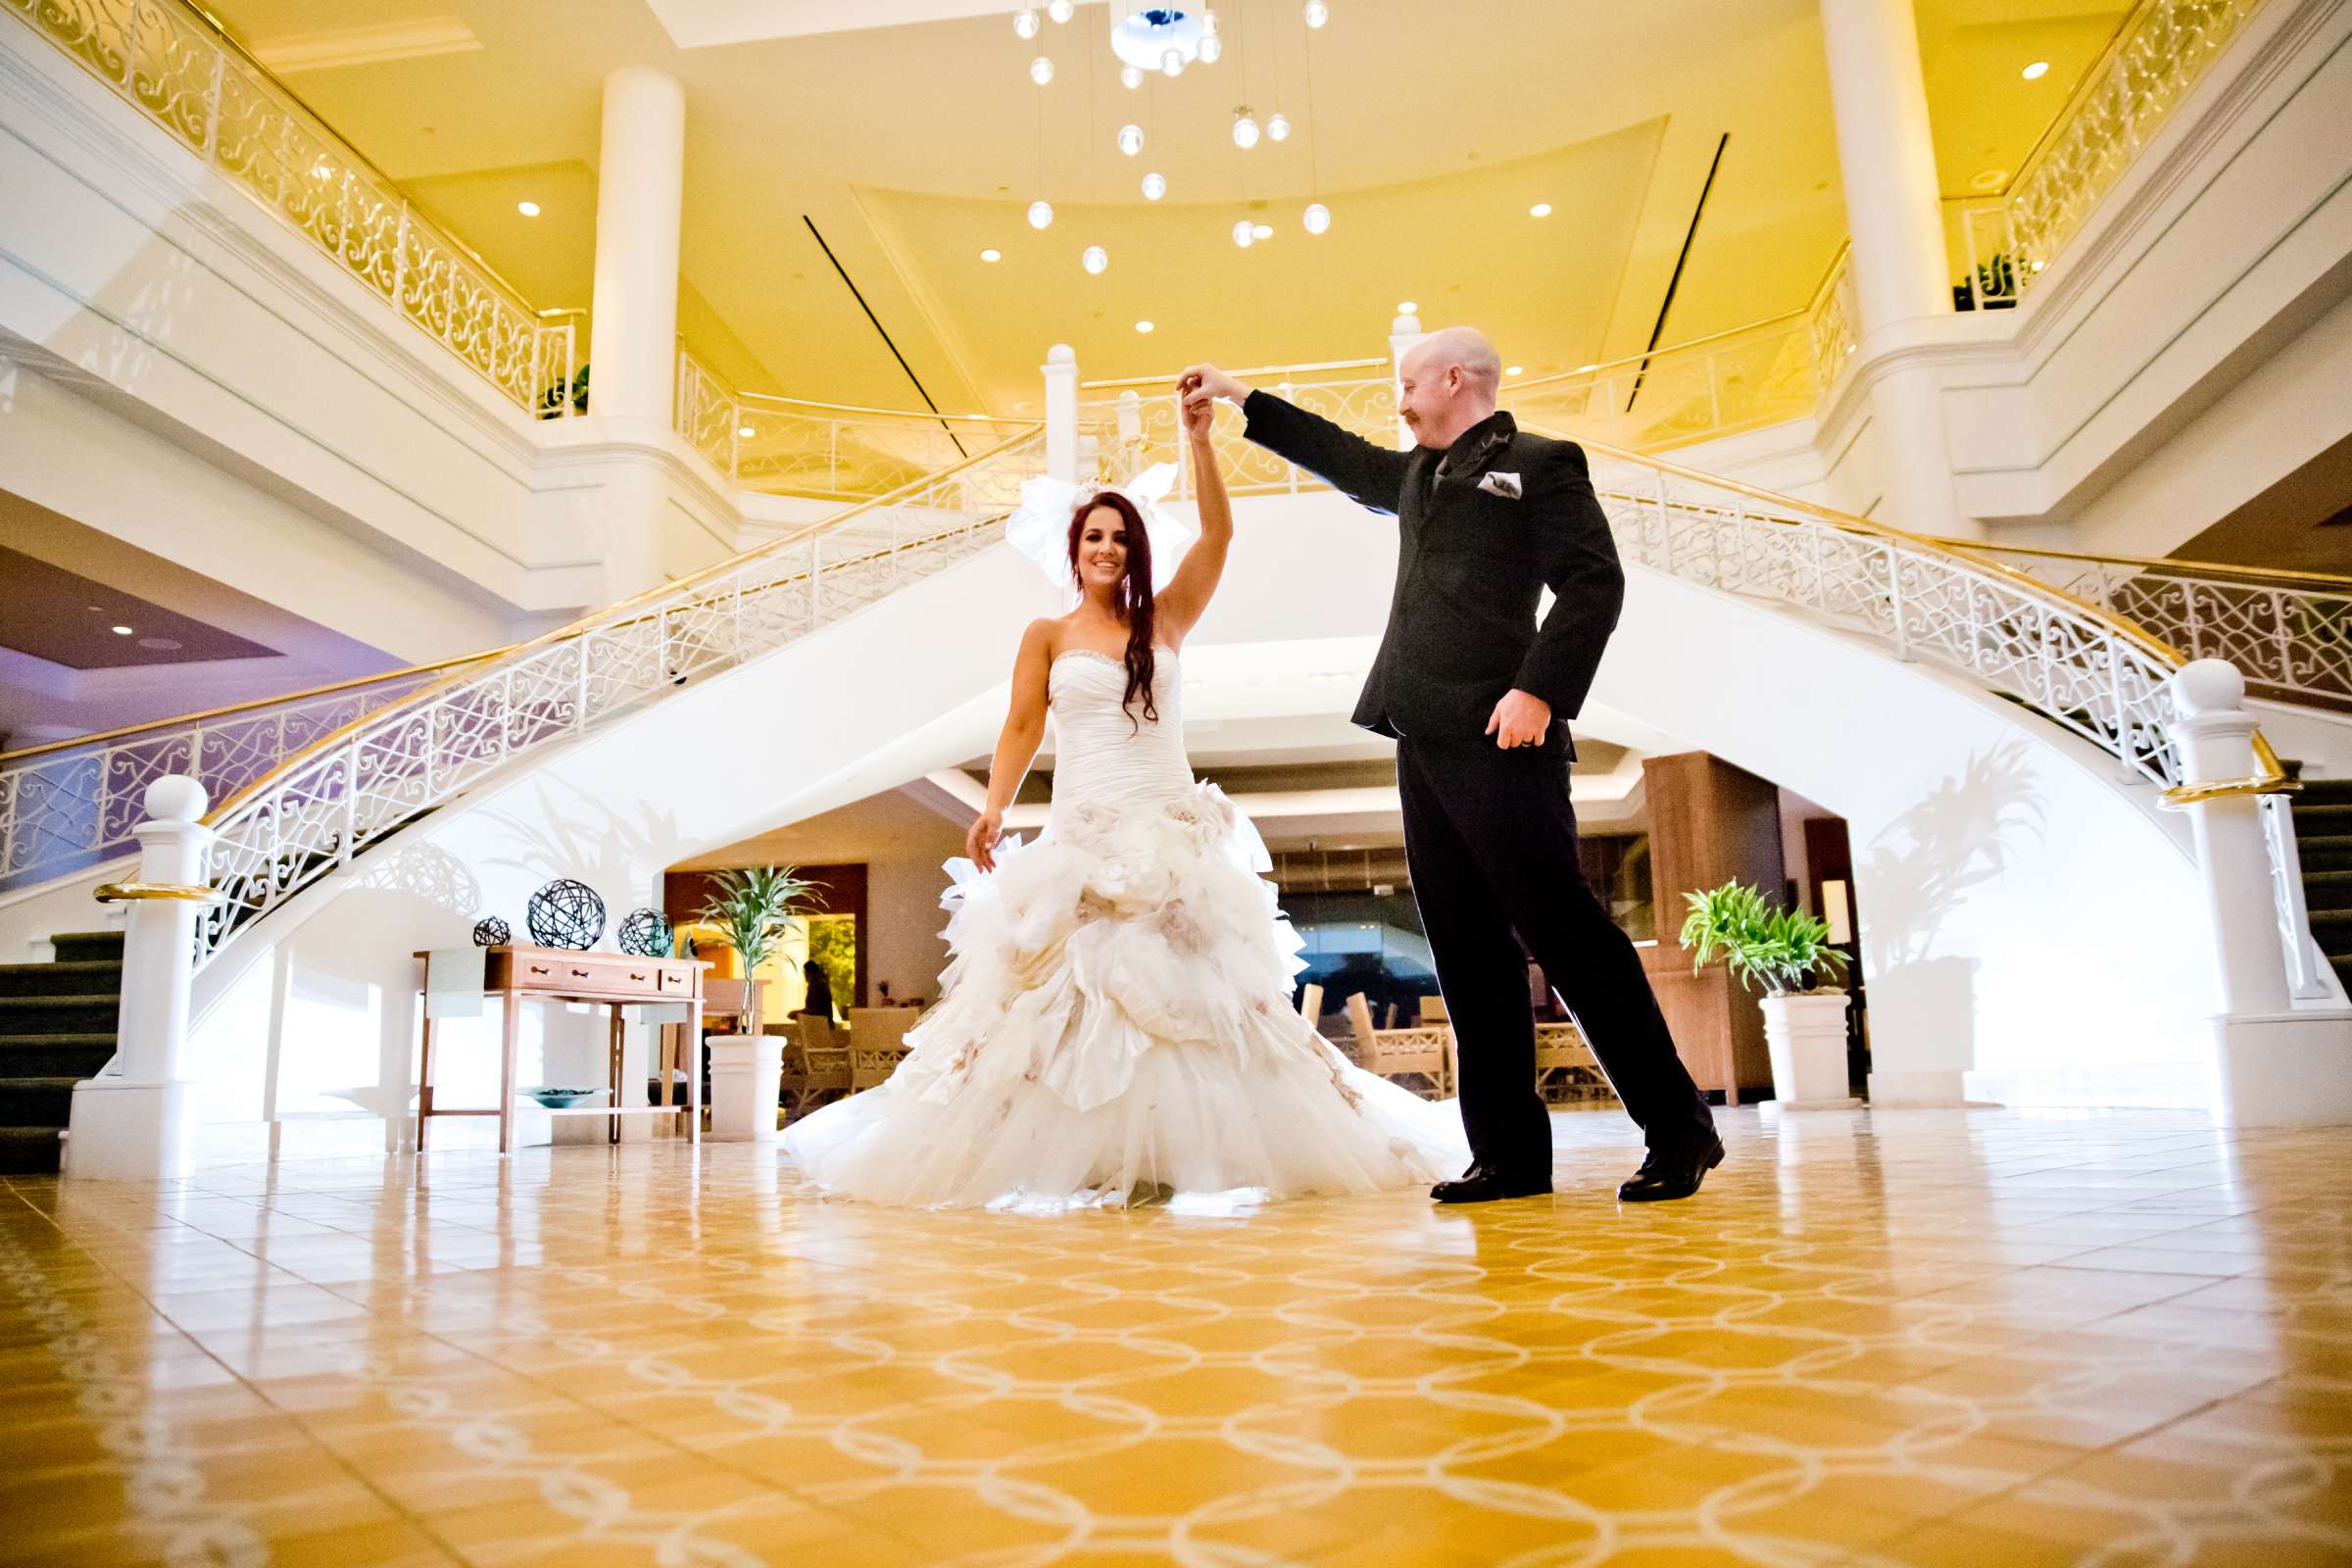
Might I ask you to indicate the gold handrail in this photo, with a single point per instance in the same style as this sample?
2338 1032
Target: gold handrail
2157 563
611 613
205 716
925 415
1256 369
1652 355
149 892
2270 783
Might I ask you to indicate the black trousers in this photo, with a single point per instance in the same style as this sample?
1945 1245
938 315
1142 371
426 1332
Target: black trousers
1491 840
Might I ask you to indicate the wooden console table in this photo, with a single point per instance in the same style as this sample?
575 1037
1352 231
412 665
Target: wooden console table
518 974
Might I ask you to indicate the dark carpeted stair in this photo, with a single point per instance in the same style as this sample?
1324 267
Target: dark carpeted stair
2323 839
57 1026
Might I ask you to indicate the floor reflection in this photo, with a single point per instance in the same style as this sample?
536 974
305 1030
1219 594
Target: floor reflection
1909 1338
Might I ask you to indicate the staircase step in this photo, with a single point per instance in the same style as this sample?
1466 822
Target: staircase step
2327 890
2342 965
2325 792
53 1056
2324 852
2322 818
88 977
75 946
2331 929
46 1102
58 1014
29 1151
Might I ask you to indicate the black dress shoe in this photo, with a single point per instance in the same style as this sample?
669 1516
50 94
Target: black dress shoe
1479 1185
1671 1173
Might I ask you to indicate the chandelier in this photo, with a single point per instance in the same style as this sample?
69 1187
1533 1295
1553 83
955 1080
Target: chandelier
1149 37
1161 39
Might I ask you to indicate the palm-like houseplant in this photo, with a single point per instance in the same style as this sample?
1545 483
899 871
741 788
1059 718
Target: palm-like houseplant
751 908
1784 952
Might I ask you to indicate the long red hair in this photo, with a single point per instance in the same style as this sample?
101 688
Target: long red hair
1132 597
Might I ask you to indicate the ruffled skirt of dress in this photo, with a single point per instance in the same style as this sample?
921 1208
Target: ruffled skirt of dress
1115 1019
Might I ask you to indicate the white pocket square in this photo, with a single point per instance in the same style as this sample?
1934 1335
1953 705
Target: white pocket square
1506 485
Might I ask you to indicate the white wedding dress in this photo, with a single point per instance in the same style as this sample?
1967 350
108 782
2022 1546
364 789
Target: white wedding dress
1116 1020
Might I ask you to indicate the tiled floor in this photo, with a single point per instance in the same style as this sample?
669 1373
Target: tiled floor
1918 1338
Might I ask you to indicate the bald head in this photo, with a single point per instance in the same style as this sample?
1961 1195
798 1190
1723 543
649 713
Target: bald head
1448 381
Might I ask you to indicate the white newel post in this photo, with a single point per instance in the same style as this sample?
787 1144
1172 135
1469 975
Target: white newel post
1403 332
2273 1063
129 1123
1061 413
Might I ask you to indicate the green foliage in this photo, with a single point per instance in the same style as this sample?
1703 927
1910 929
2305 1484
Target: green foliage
750 906
1759 941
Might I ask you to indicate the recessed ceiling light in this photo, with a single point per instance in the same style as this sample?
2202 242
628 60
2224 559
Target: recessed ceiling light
160 645
1511 370
1143 326
992 254
527 208
745 430
2037 70
121 631
1263 230
1988 179
97 610
1540 209
1407 308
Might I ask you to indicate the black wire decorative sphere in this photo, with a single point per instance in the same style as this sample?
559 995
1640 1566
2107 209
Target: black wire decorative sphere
565 914
492 932
645 933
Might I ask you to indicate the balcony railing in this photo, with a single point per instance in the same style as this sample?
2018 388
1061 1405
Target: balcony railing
833 451
167 60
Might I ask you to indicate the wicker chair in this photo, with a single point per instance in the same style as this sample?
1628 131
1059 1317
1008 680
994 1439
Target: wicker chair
1421 1059
817 1064
1311 1003
1566 1070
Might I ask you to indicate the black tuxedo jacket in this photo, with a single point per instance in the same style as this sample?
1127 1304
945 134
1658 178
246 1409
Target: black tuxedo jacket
1472 563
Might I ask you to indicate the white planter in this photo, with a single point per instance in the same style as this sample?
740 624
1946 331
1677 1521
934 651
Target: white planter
746 1071
1806 1039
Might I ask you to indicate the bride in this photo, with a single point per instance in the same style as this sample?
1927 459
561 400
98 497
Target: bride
1117 1026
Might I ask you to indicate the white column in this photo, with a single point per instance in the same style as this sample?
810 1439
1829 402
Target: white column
1886 160
1895 215
129 1123
2273 1063
1062 412
641 174
1403 332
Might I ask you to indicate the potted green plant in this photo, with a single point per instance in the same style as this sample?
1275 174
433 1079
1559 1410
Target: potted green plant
1784 952
749 907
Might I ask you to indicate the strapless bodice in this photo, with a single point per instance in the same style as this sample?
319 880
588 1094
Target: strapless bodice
1108 756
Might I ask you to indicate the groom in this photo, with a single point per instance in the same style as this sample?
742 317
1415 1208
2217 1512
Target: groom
1477 696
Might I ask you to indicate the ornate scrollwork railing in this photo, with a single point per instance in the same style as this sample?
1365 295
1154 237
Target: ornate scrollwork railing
832 451
2288 633
171 64
2087 666
2088 669
2162 49
328 803
73 803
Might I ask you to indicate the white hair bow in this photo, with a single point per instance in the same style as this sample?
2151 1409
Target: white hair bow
1040 527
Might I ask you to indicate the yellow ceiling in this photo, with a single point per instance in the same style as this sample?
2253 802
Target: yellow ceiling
910 147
